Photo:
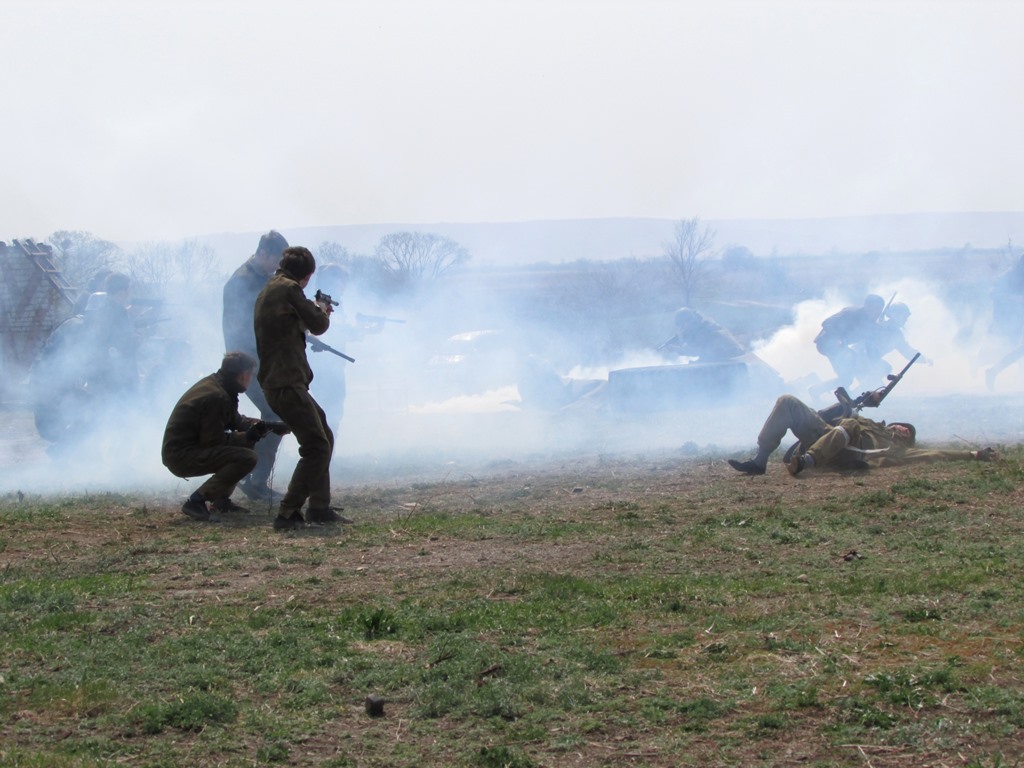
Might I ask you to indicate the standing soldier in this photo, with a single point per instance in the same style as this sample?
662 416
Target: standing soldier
282 317
240 294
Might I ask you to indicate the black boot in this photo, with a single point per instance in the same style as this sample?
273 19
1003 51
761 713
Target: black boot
748 467
327 515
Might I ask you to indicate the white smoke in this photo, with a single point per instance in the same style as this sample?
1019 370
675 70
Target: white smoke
415 396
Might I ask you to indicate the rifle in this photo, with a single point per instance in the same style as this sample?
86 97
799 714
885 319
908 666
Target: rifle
848 405
361 318
887 305
318 346
666 344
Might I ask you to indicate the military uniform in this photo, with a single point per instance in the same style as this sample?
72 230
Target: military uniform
206 434
701 338
887 336
850 442
839 333
240 294
282 317
859 439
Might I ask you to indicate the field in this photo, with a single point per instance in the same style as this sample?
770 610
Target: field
647 610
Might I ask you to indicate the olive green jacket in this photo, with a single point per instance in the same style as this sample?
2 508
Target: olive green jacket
204 417
282 317
861 439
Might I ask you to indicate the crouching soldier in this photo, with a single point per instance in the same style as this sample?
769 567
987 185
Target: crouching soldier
850 443
205 434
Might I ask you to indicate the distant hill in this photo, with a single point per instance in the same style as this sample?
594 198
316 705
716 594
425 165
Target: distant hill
526 242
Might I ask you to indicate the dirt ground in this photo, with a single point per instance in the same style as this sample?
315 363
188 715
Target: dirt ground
542 488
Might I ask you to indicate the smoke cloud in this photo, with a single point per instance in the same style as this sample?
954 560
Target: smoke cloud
468 377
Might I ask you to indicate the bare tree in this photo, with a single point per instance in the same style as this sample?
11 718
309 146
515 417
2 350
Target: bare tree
157 264
196 261
82 255
413 256
688 252
330 252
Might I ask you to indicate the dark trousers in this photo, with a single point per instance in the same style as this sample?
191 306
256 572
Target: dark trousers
312 476
228 463
266 449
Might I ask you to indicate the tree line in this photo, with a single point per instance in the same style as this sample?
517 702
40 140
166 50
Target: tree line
401 261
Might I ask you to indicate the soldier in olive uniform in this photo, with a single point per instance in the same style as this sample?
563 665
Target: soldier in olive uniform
854 442
283 316
206 434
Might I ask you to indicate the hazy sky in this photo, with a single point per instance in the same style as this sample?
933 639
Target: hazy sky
148 120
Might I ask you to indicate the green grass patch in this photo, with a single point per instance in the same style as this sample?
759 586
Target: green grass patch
614 618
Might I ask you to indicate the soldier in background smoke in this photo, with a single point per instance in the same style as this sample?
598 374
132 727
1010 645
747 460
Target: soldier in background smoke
698 337
855 442
842 339
114 339
96 284
240 294
708 342
86 365
887 336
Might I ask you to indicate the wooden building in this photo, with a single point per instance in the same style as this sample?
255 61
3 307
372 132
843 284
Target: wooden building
34 299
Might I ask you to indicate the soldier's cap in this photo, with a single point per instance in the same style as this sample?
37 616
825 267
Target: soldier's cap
273 243
910 427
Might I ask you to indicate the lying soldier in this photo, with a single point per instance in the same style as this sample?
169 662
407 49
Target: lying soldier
854 442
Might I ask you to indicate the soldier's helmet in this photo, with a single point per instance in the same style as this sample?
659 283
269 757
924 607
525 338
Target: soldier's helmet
898 312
